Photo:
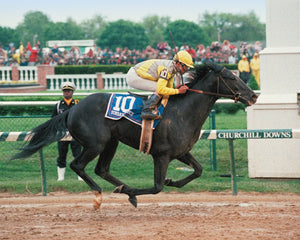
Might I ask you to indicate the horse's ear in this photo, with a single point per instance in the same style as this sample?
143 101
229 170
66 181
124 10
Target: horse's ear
219 68
215 67
210 65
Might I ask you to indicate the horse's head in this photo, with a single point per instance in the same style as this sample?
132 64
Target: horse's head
231 86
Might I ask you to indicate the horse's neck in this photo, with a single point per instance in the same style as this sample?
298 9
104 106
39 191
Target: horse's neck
201 104
194 112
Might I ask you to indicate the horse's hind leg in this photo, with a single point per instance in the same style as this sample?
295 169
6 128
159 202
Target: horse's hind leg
188 159
103 165
78 165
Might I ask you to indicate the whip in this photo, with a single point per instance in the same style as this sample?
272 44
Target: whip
172 39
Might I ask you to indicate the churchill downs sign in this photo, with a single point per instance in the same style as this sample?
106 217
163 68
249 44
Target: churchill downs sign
247 134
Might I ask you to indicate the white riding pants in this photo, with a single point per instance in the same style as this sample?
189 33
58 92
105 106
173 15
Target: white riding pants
135 81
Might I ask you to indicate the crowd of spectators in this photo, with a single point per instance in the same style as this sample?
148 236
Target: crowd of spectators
32 55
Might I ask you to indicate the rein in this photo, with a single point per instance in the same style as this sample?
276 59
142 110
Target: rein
211 93
234 96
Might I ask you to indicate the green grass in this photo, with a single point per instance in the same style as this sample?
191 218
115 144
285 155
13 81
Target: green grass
134 168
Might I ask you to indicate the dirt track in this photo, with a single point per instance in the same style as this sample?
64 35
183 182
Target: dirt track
163 216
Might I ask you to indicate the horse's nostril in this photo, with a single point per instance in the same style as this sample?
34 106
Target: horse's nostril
254 98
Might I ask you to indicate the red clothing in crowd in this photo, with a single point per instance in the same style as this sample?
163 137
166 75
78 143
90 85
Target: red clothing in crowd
192 52
34 53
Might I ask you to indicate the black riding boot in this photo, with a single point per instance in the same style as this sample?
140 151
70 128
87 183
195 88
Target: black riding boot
149 108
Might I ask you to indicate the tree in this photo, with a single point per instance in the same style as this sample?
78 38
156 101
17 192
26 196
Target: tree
233 27
186 32
7 36
93 27
123 34
250 28
155 27
33 27
64 31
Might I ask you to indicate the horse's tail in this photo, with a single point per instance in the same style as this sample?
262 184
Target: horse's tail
44 134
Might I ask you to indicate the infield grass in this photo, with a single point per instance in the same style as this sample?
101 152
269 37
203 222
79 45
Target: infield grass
136 169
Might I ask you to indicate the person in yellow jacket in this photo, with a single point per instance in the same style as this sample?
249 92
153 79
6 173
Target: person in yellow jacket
254 65
157 76
244 69
16 56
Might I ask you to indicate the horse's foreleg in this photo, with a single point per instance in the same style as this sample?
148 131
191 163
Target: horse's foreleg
188 159
160 171
103 165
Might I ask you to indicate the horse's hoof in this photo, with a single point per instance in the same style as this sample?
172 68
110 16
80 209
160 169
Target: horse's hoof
133 200
168 181
118 189
97 200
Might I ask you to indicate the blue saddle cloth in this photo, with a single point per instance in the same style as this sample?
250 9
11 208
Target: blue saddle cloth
129 107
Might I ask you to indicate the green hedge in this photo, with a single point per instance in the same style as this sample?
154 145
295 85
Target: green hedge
253 84
230 66
229 108
25 110
92 69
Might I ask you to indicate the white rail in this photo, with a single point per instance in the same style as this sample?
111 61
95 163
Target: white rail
115 82
88 81
204 134
28 74
81 81
5 74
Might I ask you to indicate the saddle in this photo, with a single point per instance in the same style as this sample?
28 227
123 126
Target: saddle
130 106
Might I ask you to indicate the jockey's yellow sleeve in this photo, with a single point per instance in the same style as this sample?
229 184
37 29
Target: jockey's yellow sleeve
160 71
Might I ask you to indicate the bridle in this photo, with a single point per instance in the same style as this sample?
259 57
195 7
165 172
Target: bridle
235 96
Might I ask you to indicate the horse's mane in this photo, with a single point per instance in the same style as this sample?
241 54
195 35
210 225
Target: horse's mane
197 73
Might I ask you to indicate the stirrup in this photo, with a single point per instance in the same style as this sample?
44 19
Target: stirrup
150 116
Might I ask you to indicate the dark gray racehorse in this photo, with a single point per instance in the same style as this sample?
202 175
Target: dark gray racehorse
173 138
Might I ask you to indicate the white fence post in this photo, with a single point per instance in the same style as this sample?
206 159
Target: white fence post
28 73
88 81
5 74
115 82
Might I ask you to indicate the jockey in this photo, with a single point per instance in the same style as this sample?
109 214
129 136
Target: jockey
157 76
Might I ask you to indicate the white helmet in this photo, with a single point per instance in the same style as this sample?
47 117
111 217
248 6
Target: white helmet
68 85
